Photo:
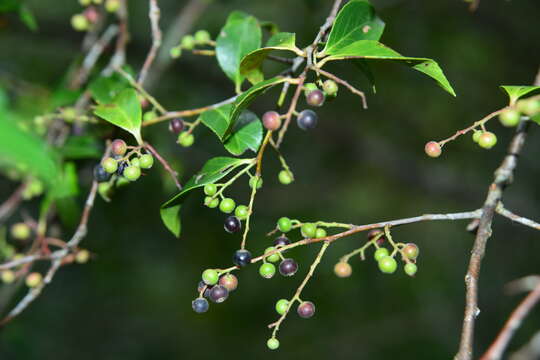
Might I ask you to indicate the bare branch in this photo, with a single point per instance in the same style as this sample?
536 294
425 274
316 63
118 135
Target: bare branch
346 84
154 15
165 164
516 218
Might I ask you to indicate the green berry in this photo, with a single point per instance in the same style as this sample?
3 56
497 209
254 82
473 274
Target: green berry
20 231
33 279
202 37
135 162
175 52
380 253
272 258
7 276
210 277
272 343
241 212
146 161
330 87
227 205
187 42
211 202
487 140
132 173
255 179
267 270
476 135
529 107
320 233
284 224
112 5
210 189
388 265
185 139
85 2
285 177
110 165
309 87
411 251
509 117
82 256
433 149
309 230
79 22
410 269
281 306
149 115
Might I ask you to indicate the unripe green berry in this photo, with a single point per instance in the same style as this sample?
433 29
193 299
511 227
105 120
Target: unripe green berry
476 135
211 202
185 139
320 233
284 224
85 2
267 270
33 279
146 161
149 115
135 162
529 107
132 173
7 276
309 87
202 37
309 230
285 177
433 149
187 42
487 140
241 212
330 87
110 165
281 306
380 253
256 179
112 5
509 117
210 277
175 52
79 22
411 251
272 343
20 231
210 189
387 265
410 269
82 256
272 258
227 205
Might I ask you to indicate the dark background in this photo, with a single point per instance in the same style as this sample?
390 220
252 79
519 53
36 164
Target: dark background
133 300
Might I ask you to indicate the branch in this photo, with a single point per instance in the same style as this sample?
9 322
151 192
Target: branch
346 84
8 206
165 164
516 218
154 15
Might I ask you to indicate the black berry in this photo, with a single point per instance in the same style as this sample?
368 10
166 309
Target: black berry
176 125
307 120
241 258
288 267
200 305
315 98
232 224
121 166
219 294
282 241
100 174
306 309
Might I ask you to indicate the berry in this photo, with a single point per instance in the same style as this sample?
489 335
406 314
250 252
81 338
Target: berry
433 149
227 205
20 231
119 147
200 286
211 202
529 106
282 241
210 276
232 224
176 125
309 87
309 230
79 22
200 305
33 279
82 256
288 267
100 174
218 294
487 140
267 270
241 212
342 269
284 224
185 139
476 135
110 165
187 42
122 165
272 258
85 2
285 177
315 98
112 5
272 343
135 162
146 161
380 253
307 120
330 87
320 233
271 120
410 269
411 251
149 115
241 258
202 37
281 306
229 281
7 276
387 265
210 189
509 117
175 52
132 173
256 179
306 309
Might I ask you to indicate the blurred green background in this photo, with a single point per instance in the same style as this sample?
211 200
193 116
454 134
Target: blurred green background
133 300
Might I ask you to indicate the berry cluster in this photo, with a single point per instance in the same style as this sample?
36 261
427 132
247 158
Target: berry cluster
92 13
190 42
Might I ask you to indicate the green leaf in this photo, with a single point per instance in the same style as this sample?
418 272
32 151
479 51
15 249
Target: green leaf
281 41
269 26
67 184
240 36
246 134
218 120
212 171
374 50
356 21
516 92
81 147
364 67
27 17
26 151
105 88
124 112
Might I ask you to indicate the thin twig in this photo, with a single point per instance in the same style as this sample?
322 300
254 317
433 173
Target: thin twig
292 107
347 85
8 206
165 164
154 14
516 218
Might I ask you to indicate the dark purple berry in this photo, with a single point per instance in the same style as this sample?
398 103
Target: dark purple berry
288 267
282 241
232 224
271 120
315 98
306 309
218 294
100 174
200 305
307 120
201 285
176 125
121 166
241 258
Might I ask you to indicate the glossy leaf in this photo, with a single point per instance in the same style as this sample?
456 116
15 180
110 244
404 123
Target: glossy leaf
356 21
27 17
374 50
516 92
218 120
105 88
124 112
240 36
247 134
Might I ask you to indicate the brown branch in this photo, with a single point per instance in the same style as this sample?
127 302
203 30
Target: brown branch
529 351
119 57
165 164
346 84
292 107
496 349
154 15
516 218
